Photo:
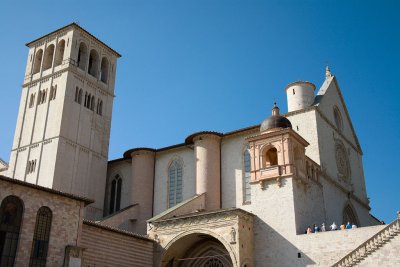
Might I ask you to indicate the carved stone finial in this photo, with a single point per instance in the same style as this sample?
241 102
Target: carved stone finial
275 110
328 73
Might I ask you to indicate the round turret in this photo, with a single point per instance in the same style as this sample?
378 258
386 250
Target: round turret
299 95
275 121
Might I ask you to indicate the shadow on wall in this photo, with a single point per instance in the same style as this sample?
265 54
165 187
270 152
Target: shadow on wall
272 249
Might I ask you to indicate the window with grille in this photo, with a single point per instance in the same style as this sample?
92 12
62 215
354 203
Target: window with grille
41 236
174 183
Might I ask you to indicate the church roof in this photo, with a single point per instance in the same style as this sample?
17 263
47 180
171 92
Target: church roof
87 201
116 230
188 141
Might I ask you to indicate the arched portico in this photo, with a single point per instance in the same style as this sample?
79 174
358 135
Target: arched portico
204 239
198 248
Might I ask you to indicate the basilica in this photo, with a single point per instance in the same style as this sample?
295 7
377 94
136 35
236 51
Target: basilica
242 198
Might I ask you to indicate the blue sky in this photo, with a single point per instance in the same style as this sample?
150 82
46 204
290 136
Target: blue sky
218 65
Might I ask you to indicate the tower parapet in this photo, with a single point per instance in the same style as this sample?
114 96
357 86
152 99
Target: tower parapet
300 95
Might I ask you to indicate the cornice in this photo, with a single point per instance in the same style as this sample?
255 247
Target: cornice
300 82
77 27
74 70
194 219
49 140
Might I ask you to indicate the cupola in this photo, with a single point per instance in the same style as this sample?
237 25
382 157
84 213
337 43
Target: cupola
276 121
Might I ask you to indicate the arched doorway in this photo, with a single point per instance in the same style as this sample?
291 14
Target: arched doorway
196 250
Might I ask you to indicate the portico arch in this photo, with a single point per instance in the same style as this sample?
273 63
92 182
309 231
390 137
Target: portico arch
198 248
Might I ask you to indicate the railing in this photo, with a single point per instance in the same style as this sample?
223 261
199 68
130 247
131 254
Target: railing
371 245
271 171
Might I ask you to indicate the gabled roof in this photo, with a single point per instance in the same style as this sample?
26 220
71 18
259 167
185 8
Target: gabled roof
319 98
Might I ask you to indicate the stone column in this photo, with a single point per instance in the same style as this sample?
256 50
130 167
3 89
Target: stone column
142 186
208 168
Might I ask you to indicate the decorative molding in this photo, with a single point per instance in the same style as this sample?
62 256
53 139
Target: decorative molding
220 218
73 70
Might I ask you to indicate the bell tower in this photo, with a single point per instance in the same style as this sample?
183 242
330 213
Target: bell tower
284 180
63 128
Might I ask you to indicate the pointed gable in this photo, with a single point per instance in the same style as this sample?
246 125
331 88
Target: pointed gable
329 101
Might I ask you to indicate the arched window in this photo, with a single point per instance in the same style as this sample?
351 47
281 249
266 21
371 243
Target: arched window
76 94
80 96
92 103
82 56
48 57
270 157
60 53
174 183
246 177
338 118
32 100
38 61
93 63
86 99
10 223
53 92
99 108
41 236
349 215
42 96
104 70
115 196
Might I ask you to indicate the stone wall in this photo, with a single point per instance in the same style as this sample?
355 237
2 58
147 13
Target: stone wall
65 226
110 247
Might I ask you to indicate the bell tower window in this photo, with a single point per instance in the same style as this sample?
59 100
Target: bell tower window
60 53
270 157
82 56
104 70
38 61
48 57
93 63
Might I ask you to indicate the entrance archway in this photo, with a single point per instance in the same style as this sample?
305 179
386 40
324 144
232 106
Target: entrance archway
196 250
